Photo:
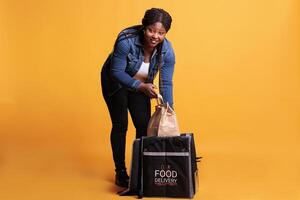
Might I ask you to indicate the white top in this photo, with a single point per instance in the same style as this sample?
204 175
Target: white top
142 74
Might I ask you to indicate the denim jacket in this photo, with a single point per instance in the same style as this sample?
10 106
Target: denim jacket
126 59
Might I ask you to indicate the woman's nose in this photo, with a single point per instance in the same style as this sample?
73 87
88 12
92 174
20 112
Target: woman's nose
155 35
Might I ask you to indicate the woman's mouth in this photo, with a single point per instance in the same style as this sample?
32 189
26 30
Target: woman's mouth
153 42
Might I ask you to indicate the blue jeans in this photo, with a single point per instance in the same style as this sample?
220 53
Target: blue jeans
118 105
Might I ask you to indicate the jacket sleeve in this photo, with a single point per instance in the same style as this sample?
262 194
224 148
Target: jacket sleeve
166 77
119 63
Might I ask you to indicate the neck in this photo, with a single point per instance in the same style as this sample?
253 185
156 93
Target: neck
149 49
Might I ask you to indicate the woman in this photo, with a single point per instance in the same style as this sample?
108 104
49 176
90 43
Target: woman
127 80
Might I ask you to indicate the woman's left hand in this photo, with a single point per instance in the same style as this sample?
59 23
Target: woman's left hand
148 89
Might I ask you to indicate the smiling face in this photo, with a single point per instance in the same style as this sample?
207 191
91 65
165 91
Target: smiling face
154 34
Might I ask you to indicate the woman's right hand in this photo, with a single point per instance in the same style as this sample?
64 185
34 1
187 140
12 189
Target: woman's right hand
148 89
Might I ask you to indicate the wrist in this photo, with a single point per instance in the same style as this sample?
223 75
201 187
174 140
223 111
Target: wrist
141 86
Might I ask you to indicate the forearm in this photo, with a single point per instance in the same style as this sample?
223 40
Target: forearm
125 79
166 90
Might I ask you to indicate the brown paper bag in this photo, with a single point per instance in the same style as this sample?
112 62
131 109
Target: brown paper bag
163 122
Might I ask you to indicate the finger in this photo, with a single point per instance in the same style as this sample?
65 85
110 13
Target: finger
153 94
153 87
149 93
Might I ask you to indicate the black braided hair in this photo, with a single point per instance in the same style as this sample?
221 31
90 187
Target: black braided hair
152 16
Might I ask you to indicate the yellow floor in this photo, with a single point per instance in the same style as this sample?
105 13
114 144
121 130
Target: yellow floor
55 168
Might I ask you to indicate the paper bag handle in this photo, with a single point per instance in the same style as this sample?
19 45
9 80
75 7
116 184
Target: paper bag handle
159 99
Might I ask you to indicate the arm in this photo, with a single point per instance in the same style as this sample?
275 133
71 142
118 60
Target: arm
166 77
119 63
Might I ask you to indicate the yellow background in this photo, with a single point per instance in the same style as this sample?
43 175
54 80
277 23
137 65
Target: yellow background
236 86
